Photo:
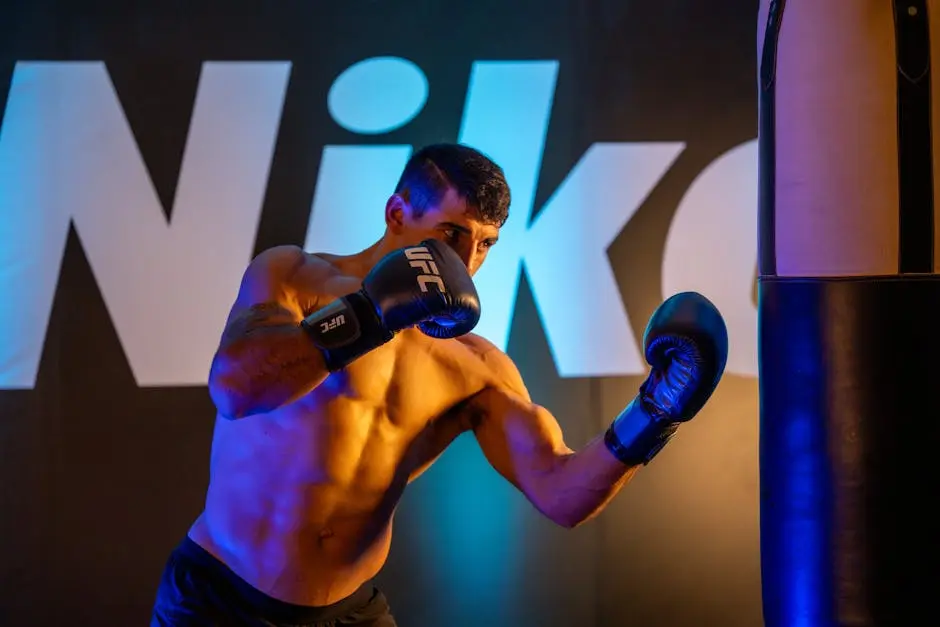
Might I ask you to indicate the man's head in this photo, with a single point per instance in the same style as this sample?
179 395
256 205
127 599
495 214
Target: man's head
452 193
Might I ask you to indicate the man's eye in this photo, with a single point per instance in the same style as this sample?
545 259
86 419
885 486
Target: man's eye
450 234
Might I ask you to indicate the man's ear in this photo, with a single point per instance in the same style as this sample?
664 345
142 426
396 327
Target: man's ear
395 211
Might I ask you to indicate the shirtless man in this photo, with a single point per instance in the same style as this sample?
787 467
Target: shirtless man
340 379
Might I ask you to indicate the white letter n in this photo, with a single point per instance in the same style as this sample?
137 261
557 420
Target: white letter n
67 154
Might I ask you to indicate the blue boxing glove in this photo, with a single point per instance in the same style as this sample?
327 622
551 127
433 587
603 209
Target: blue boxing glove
686 343
427 286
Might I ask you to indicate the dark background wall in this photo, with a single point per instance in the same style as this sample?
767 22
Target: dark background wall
104 449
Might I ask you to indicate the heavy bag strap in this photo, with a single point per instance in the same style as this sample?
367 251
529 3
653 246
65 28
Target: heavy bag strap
766 195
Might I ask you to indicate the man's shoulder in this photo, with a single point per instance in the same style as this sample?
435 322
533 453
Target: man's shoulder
290 256
287 273
499 365
286 263
481 346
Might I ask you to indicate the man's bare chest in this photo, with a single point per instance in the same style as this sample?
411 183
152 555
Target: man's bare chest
414 378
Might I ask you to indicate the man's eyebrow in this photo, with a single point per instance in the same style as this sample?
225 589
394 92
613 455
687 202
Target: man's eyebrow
456 227
465 230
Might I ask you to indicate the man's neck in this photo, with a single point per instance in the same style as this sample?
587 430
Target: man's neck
359 264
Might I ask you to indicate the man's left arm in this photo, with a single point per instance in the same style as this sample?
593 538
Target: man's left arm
525 444
686 345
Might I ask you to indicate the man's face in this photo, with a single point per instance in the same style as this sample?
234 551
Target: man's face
455 224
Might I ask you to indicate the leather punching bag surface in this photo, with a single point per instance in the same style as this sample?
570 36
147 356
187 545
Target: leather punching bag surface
849 313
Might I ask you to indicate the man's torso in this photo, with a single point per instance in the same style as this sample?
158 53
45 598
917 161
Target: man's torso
301 500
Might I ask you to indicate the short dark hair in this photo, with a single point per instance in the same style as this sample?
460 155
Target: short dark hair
474 177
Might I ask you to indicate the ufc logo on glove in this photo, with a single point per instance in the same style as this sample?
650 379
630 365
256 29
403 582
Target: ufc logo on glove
421 259
332 324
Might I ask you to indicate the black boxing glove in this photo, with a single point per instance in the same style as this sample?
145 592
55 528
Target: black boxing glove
426 285
686 343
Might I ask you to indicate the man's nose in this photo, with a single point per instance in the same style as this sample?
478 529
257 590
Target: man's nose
469 254
472 258
463 251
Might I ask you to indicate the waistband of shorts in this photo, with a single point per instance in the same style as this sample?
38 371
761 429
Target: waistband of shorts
269 607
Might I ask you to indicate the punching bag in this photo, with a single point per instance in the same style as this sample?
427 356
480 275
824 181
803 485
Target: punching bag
849 313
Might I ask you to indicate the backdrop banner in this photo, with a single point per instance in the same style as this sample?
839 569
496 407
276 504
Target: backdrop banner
149 150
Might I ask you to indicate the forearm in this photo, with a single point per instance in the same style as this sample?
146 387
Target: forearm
265 369
579 485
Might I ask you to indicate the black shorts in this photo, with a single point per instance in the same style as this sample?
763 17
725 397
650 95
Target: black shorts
197 589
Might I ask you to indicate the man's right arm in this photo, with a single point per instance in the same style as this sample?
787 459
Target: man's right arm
265 358
271 354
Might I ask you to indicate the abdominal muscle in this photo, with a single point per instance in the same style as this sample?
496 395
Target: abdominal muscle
301 501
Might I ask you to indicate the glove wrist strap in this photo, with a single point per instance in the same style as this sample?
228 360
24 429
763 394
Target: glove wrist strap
346 329
635 437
